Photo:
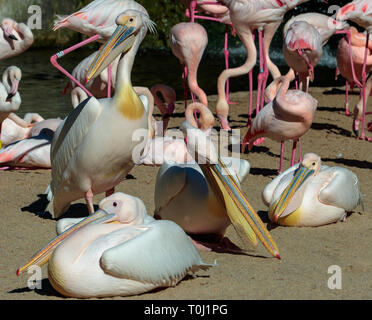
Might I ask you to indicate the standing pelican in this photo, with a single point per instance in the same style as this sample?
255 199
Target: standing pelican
288 117
14 38
118 251
91 150
309 194
188 41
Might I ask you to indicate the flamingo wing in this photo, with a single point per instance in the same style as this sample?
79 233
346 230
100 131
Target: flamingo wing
160 253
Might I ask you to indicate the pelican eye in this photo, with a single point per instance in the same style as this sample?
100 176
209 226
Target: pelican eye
115 204
131 20
313 163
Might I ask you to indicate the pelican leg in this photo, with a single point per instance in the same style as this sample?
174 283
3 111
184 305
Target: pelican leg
89 201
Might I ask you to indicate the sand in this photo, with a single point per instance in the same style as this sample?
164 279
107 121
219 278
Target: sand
307 253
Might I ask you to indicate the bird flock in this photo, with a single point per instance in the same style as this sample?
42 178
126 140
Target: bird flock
120 249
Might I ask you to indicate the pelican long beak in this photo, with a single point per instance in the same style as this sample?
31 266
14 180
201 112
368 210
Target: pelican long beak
120 42
302 174
243 217
13 89
42 256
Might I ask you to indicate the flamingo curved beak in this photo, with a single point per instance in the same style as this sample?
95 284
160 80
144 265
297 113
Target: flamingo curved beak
13 89
302 174
43 255
120 42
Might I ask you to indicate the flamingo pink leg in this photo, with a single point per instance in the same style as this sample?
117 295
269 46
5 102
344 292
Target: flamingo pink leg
347 112
53 60
293 153
89 201
281 157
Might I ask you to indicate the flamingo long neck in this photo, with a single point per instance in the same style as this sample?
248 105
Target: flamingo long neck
247 40
6 81
125 98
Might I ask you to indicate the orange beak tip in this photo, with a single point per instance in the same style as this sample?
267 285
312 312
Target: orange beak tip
18 272
86 80
277 256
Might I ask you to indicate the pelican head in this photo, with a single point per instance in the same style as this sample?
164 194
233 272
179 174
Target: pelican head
310 166
14 75
118 208
131 25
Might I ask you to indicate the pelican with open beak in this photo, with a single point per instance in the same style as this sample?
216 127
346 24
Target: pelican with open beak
309 194
119 250
205 198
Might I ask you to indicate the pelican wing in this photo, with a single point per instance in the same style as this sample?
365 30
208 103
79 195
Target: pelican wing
343 189
69 135
170 182
161 254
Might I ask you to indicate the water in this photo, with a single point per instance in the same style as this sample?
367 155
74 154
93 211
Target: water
41 86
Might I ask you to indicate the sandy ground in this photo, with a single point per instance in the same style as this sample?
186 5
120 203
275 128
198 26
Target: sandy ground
306 253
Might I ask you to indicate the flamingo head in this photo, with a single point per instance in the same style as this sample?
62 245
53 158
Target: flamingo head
14 76
8 25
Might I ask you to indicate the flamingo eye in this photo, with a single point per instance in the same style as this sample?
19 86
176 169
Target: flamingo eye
115 204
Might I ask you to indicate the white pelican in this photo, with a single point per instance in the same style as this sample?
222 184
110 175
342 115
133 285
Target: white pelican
206 197
124 252
309 194
14 38
91 150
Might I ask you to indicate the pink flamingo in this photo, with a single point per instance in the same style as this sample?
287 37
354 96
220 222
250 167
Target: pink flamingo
246 16
288 117
30 153
188 41
212 11
302 50
168 148
358 41
360 12
96 20
98 87
15 38
167 107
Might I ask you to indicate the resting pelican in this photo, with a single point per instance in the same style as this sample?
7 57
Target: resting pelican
91 150
205 197
118 251
309 194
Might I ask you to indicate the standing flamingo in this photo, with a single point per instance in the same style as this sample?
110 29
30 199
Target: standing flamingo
15 38
188 41
288 117
302 50
247 16
360 12
96 20
212 11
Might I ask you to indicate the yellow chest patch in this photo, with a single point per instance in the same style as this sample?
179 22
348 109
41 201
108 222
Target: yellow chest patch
292 219
129 104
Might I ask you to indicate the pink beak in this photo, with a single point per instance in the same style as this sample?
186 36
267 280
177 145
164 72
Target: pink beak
13 90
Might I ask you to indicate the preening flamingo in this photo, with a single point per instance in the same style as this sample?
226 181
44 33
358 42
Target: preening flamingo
302 50
288 117
360 12
79 168
120 250
310 194
188 41
15 38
